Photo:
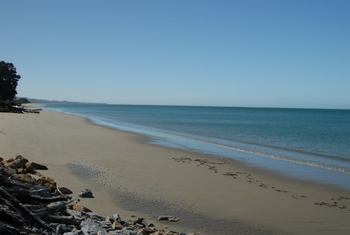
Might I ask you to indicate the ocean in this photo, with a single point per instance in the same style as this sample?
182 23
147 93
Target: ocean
308 144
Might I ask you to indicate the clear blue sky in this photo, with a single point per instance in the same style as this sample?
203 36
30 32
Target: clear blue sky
256 53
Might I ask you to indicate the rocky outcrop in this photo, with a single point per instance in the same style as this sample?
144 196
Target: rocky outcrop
35 205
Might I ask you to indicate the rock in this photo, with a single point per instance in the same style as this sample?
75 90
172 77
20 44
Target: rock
24 178
168 218
47 181
86 193
117 226
106 225
80 208
125 232
30 168
19 163
159 232
73 201
7 172
8 160
39 166
94 216
63 228
137 220
18 157
74 232
146 231
117 218
57 206
64 190
92 228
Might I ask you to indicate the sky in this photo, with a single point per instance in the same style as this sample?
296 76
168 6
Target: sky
246 53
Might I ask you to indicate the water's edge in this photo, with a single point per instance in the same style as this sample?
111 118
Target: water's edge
298 170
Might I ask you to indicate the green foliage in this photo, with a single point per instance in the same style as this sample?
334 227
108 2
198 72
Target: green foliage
22 101
8 81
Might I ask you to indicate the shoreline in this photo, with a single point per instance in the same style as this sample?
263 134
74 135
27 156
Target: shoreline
130 176
300 169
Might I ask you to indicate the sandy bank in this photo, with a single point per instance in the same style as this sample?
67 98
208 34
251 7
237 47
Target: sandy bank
129 176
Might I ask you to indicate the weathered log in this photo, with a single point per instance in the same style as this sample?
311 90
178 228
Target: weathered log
18 205
62 220
10 215
14 191
10 183
10 230
47 199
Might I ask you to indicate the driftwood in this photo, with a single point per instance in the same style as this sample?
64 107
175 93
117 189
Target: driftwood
8 229
18 205
9 213
62 220
15 191
14 183
9 108
36 198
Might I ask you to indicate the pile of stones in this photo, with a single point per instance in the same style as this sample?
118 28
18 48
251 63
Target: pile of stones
31 203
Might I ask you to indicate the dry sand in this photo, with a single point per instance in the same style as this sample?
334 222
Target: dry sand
129 176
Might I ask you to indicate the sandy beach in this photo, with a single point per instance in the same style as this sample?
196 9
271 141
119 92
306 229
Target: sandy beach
129 176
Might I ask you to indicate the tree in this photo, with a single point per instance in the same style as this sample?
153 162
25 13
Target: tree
8 81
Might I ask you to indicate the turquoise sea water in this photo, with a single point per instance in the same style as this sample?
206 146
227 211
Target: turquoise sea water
310 144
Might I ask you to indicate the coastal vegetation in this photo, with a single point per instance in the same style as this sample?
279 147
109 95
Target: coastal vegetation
8 90
8 81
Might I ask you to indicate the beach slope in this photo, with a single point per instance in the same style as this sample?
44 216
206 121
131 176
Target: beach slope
129 176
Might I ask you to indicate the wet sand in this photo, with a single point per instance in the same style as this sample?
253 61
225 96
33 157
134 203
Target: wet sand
129 176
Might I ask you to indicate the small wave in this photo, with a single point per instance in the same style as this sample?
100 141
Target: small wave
314 164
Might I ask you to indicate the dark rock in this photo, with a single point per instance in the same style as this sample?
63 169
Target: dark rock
64 190
6 171
39 166
86 193
63 228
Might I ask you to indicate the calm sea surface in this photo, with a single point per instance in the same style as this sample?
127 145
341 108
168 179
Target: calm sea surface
311 144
